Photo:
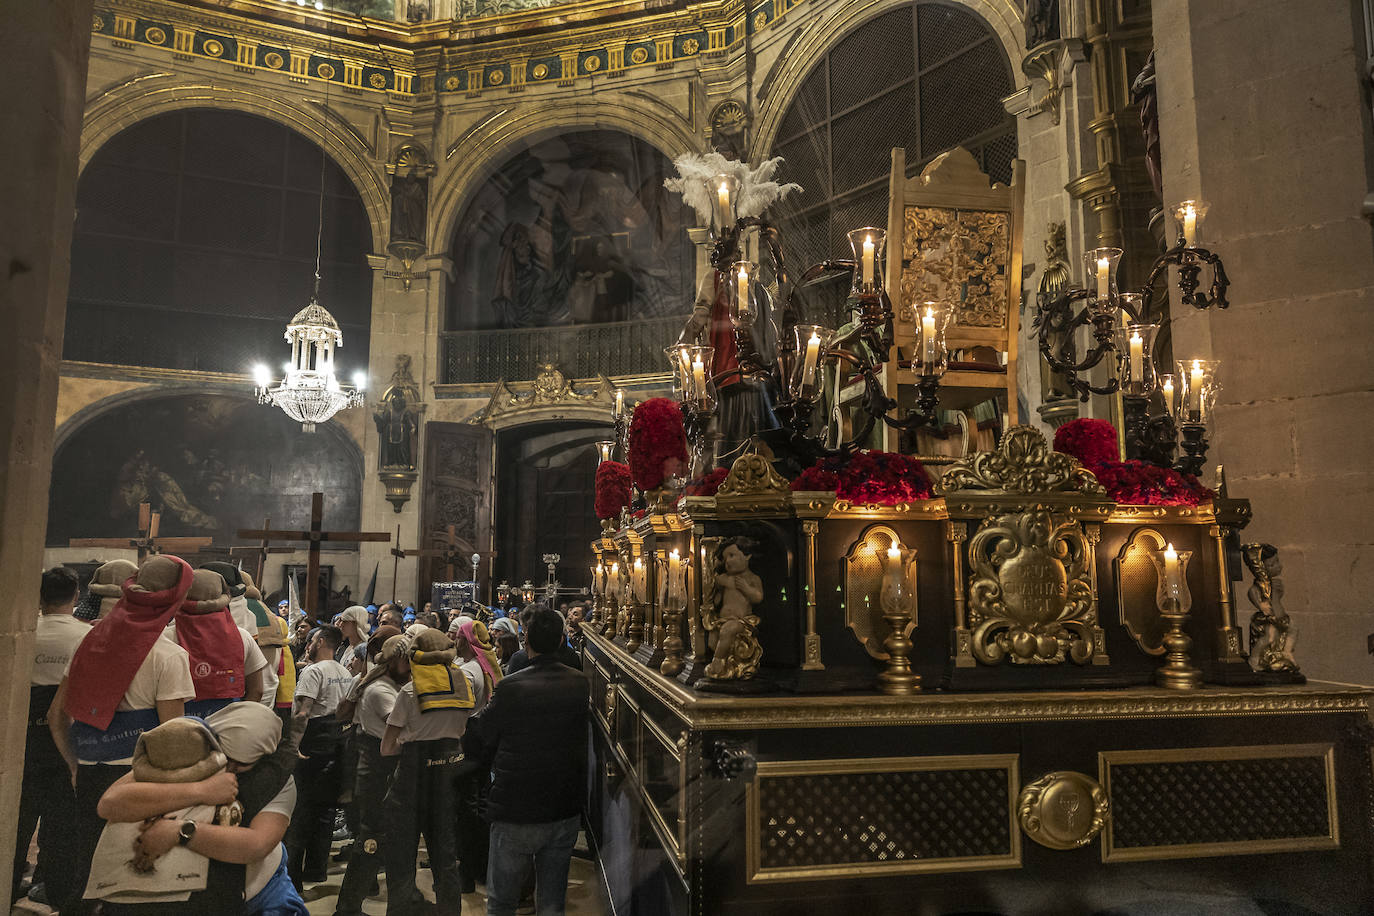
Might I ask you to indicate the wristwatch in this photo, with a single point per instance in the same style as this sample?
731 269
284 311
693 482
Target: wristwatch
186 833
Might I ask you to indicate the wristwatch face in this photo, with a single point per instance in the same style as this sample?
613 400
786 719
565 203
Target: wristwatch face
187 831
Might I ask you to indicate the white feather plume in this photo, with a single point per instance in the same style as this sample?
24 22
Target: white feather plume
757 190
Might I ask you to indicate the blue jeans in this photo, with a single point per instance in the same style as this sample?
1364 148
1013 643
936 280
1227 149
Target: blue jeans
514 849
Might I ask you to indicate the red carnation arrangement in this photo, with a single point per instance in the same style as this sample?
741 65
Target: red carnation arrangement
1092 442
708 485
1138 483
869 478
658 442
612 489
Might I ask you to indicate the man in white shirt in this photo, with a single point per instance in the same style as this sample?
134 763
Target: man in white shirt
425 729
47 796
319 689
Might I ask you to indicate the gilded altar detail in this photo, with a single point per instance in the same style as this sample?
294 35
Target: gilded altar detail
1063 810
1030 593
1023 464
957 256
863 583
753 484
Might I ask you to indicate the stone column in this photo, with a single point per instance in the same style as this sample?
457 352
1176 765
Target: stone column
44 48
1261 115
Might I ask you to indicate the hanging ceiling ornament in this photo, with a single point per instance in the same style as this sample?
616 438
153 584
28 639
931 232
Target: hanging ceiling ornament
311 393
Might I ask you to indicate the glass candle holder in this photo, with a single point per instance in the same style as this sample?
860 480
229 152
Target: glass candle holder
724 196
931 356
1101 265
811 341
1167 394
680 362
1135 365
1189 215
744 309
1198 388
870 257
604 449
696 386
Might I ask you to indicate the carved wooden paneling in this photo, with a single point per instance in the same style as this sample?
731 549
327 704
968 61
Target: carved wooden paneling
457 492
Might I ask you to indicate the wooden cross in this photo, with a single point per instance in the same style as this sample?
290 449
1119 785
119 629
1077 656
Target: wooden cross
147 543
261 551
397 555
314 537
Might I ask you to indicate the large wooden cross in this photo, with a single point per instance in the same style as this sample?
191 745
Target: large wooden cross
261 552
314 537
147 543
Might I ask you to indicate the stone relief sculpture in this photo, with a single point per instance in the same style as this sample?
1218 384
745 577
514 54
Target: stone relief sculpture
1272 634
734 591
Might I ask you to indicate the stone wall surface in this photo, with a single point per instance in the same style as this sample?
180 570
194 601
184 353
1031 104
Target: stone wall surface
43 55
1263 117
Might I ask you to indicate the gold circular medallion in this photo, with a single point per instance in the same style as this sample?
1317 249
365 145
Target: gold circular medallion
1063 810
97 24
212 48
591 64
639 55
370 846
451 83
324 72
540 71
273 60
377 81
496 78
691 46
154 36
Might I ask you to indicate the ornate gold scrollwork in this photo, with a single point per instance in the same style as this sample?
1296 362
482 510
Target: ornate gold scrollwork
751 477
1030 595
1023 463
1063 810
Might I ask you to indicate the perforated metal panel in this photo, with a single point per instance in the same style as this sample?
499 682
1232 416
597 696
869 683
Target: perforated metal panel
926 77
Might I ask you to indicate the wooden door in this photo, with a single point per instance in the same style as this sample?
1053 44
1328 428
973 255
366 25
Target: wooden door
457 492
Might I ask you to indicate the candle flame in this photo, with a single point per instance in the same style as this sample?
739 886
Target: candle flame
673 553
1135 337
893 551
1197 365
930 313
1188 210
1170 553
724 188
1103 263
815 338
743 274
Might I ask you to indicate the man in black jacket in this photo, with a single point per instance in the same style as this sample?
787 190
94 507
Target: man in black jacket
534 733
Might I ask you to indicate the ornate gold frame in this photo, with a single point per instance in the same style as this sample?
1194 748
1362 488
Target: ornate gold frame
869 628
846 871
1105 760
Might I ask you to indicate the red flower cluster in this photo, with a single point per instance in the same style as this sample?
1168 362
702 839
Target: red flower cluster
1139 483
658 442
708 485
869 478
612 489
1092 442
1143 484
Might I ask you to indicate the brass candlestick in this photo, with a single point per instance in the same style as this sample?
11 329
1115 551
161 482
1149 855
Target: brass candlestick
898 601
634 633
1175 601
674 603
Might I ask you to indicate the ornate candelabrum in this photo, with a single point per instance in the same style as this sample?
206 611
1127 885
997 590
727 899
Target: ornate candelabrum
612 590
674 603
598 589
696 391
634 633
1175 601
1189 257
1196 392
897 601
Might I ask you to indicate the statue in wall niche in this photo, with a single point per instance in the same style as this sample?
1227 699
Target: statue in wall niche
409 204
1146 97
398 419
1042 22
729 618
1052 309
1272 634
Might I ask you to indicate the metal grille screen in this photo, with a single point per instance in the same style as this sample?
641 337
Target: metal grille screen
927 77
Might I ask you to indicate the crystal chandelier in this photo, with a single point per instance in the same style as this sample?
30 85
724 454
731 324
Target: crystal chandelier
310 393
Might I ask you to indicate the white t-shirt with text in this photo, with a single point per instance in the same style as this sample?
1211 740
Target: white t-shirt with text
54 644
326 682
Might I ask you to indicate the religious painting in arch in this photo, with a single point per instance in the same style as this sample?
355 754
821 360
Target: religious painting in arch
573 229
211 464
195 241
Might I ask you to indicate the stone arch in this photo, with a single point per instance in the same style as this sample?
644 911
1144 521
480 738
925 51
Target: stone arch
112 112
824 32
486 147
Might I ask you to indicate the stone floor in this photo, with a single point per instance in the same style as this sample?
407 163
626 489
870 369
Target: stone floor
585 894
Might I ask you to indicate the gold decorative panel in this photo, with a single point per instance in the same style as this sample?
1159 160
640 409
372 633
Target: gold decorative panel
1137 585
862 574
841 819
1219 801
958 256
1030 591
1063 810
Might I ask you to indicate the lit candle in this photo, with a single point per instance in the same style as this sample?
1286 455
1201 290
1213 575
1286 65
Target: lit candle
868 261
674 574
894 552
742 290
1189 225
698 379
931 356
1195 388
1137 357
1168 390
813 354
1172 580
619 403
723 204
639 578
1103 279
613 582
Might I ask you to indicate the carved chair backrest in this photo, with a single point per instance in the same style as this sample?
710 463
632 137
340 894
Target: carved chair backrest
955 236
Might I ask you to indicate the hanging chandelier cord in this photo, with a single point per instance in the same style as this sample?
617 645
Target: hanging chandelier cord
319 231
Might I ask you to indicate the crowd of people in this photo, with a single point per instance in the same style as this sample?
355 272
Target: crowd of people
194 751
